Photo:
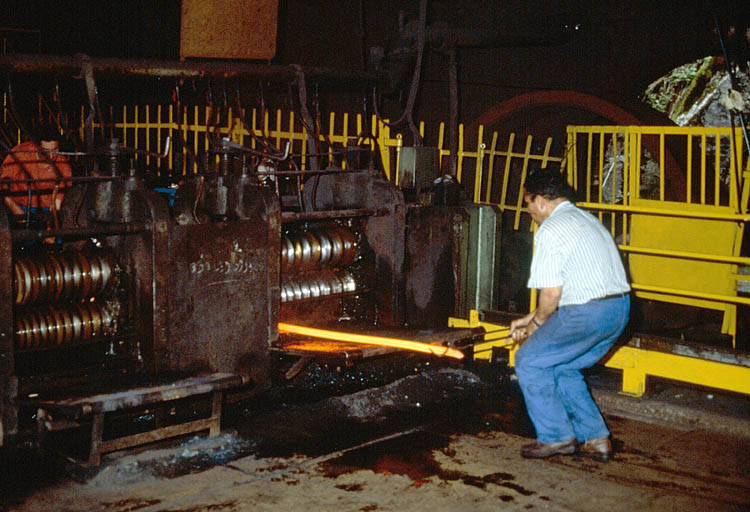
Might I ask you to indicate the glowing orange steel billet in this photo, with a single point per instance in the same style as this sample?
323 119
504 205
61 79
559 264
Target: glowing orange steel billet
416 346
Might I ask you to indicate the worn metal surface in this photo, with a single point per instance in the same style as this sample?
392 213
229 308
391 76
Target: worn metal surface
432 264
219 296
8 382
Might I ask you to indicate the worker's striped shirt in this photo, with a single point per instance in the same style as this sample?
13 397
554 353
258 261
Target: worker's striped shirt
575 251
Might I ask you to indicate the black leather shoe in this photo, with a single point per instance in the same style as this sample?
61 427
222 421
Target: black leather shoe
541 450
598 449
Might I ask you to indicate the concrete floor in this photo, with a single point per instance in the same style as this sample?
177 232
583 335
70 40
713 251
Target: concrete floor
411 461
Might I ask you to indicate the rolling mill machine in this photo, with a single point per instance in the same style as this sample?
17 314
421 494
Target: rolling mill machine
145 299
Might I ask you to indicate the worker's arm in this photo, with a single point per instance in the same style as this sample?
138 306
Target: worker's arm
547 303
13 206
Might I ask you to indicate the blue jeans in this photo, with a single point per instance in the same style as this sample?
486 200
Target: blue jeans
549 364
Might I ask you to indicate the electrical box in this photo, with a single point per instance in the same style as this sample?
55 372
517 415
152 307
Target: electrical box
418 167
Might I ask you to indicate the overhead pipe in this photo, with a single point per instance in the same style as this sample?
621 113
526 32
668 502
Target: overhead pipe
58 64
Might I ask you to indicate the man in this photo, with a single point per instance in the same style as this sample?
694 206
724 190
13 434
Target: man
583 307
38 160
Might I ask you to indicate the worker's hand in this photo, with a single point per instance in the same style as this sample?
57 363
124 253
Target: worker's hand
521 328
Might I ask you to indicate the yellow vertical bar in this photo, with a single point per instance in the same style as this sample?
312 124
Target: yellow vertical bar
230 124
589 151
170 116
519 200
491 167
254 127
733 184
399 145
601 170
632 178
148 132
195 132
661 165
441 135
278 128
478 167
380 132
303 158
613 174
331 132
506 175
545 156
266 124
460 151
291 130
717 176
421 129
124 125
733 164
345 136
158 137
703 174
135 131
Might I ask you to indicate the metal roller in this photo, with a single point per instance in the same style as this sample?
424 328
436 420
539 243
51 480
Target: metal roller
52 326
321 247
318 285
56 276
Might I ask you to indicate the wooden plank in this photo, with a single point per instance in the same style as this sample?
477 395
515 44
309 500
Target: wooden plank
151 436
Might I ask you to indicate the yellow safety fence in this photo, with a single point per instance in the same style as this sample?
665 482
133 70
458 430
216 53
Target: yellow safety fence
676 201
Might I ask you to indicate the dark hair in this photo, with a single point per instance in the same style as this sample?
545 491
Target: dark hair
46 131
548 183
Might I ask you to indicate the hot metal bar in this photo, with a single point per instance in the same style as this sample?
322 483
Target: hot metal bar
415 346
58 64
24 235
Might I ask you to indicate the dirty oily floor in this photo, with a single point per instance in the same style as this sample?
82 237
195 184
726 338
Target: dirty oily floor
441 439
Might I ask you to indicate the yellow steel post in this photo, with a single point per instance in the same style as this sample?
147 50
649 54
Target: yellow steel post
506 171
478 167
331 124
441 137
490 168
460 152
524 169
345 139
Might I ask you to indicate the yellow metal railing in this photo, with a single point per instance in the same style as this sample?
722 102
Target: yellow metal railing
485 171
147 127
676 200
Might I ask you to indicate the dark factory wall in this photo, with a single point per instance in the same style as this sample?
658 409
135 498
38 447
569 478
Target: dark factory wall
619 49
